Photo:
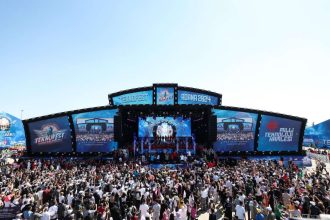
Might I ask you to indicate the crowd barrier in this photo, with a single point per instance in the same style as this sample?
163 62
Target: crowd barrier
321 157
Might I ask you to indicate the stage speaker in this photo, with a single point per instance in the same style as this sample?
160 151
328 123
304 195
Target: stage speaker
212 129
117 126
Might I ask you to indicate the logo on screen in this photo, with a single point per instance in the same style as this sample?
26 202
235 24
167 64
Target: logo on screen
272 126
5 124
164 130
278 134
165 95
49 134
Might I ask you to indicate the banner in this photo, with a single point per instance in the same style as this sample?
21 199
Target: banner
134 98
278 134
51 135
165 96
11 131
195 98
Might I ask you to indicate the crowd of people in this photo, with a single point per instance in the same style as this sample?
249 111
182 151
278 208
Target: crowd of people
325 152
93 137
104 189
239 136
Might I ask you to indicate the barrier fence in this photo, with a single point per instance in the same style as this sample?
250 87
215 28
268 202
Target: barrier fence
321 157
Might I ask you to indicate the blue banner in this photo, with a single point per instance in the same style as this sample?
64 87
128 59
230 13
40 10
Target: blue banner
278 134
95 131
195 98
51 135
165 96
134 98
235 130
11 131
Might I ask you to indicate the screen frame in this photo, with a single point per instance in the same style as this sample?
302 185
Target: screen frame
88 111
26 124
172 117
256 140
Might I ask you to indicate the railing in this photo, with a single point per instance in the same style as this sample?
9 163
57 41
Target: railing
321 157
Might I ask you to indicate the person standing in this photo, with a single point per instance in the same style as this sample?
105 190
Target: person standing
228 209
204 197
156 211
259 215
240 211
144 209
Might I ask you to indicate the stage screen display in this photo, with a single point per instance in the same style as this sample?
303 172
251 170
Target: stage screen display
134 98
11 132
95 131
195 98
235 130
164 127
318 135
165 96
51 135
278 134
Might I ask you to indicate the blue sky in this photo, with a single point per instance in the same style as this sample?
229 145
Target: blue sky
64 55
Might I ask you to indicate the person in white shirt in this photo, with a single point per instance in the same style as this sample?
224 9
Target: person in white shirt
40 196
241 197
45 215
144 209
156 211
240 211
204 196
53 211
61 199
100 192
70 198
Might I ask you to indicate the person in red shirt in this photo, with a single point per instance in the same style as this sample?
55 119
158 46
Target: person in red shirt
101 211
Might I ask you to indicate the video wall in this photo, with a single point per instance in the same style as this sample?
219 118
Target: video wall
235 130
50 135
164 127
318 135
194 98
278 134
134 98
11 131
95 131
165 96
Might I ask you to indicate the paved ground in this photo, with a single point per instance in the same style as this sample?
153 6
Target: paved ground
205 216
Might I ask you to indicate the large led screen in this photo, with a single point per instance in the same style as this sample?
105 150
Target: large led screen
95 131
164 127
195 98
318 135
11 131
278 134
51 135
235 130
165 96
134 98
